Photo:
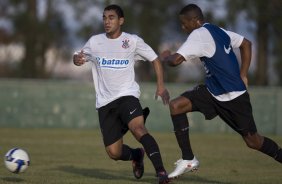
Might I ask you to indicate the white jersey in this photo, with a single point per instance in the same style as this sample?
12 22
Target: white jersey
200 43
113 65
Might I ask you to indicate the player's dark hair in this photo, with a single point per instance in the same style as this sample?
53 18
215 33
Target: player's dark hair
192 10
116 8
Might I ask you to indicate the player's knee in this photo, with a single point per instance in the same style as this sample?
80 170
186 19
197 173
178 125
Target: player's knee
253 141
252 145
113 154
139 131
137 127
173 106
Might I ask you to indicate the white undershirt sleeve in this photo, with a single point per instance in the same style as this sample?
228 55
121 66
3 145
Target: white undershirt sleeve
236 39
198 44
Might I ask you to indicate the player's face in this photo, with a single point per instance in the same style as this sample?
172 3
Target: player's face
188 24
112 23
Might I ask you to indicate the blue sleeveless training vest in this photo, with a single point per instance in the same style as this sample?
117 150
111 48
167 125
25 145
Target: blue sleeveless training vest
222 69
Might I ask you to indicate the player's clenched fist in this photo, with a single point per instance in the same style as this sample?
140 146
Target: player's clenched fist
79 58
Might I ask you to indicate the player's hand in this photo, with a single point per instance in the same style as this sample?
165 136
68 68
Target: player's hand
79 58
164 94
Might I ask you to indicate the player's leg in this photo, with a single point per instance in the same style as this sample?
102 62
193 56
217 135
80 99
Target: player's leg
112 129
146 112
114 150
120 151
271 148
264 145
239 117
250 135
133 115
198 99
150 145
178 109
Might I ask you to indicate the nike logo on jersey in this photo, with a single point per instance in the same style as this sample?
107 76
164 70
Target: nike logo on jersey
131 112
227 50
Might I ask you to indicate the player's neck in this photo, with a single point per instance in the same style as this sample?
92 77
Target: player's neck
113 35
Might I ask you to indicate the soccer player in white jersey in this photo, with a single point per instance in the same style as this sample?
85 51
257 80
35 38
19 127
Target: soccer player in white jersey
224 92
113 55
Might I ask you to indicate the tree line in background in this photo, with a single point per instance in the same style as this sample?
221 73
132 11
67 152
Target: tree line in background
267 17
39 33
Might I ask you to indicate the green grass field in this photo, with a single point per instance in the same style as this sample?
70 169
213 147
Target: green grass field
75 156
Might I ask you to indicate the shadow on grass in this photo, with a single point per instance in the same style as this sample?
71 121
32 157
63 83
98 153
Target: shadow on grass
12 179
104 174
197 179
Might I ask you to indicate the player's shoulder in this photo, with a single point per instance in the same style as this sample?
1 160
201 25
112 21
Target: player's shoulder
198 34
202 33
202 30
131 36
97 37
134 39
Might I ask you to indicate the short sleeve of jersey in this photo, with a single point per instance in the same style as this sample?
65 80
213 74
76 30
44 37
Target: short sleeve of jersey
87 48
192 47
87 45
236 39
201 44
144 51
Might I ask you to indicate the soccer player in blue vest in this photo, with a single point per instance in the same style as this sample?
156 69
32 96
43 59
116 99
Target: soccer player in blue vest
224 93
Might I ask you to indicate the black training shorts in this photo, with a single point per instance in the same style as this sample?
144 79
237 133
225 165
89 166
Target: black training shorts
237 113
115 116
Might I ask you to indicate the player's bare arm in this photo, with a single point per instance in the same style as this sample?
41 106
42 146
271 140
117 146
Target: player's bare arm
246 56
79 58
161 90
171 59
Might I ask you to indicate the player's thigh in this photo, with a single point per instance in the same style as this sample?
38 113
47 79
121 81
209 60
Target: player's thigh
132 116
180 105
110 124
200 100
237 113
131 109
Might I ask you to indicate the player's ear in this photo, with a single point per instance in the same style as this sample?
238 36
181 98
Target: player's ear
199 23
121 21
